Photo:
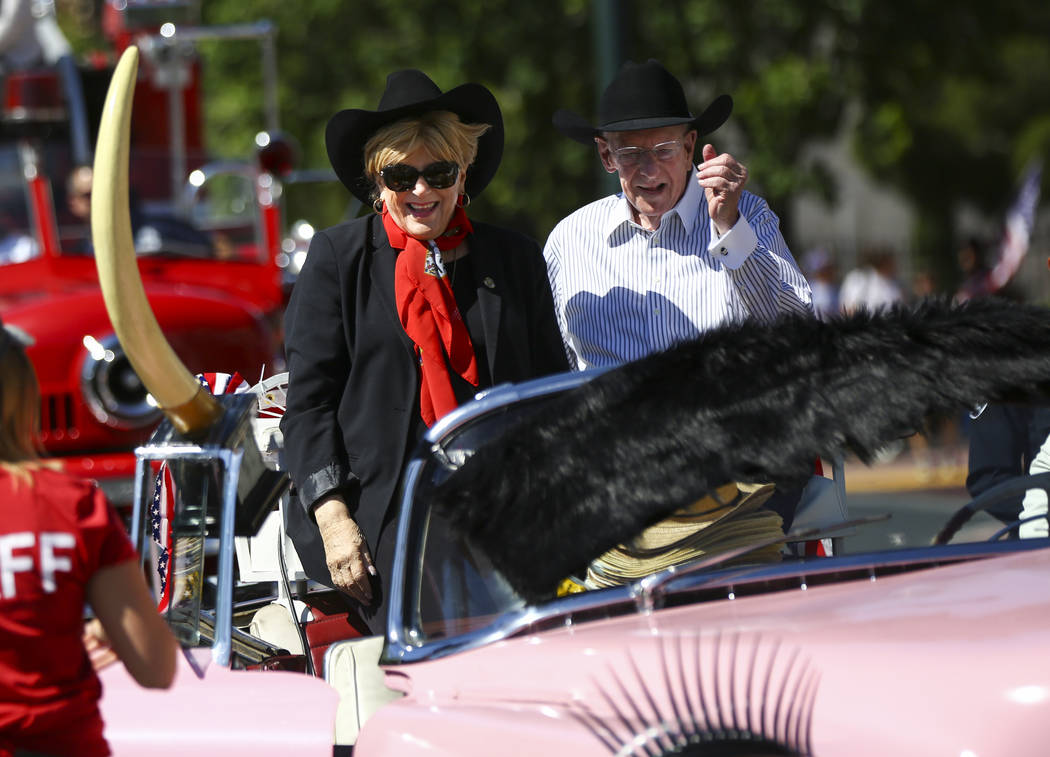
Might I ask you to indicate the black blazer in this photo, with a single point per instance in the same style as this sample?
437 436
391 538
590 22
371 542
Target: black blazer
353 386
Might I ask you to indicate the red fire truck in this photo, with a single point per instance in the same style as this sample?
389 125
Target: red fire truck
214 254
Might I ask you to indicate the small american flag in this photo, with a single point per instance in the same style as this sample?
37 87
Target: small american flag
1020 219
162 506
160 515
223 383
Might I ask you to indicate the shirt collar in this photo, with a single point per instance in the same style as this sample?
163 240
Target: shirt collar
687 210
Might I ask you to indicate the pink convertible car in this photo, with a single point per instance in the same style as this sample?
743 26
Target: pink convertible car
931 650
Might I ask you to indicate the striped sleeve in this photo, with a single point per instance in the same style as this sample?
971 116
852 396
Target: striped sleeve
621 291
551 253
769 281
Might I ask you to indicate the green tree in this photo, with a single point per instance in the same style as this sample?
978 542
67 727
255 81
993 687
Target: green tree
955 101
778 60
524 53
536 59
951 100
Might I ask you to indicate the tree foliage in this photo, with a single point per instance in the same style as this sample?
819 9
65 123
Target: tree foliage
525 53
949 100
954 103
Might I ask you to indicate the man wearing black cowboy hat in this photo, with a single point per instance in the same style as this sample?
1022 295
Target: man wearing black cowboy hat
682 249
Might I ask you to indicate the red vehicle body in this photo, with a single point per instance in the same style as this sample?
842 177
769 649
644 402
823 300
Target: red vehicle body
209 244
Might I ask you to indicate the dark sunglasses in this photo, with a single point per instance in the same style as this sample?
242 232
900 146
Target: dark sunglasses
402 177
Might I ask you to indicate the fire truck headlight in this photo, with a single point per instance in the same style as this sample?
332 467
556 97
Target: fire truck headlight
112 390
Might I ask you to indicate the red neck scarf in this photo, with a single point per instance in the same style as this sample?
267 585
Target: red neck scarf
429 315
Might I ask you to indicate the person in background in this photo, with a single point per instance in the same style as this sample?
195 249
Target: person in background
77 232
78 193
681 249
1007 441
821 272
154 233
61 546
873 284
397 318
922 285
977 279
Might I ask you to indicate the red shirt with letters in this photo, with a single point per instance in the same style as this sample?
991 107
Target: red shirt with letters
55 533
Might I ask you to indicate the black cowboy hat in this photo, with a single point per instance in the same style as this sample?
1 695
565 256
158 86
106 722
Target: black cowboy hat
410 93
643 96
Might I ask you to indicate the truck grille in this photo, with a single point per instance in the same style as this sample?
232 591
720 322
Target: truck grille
56 416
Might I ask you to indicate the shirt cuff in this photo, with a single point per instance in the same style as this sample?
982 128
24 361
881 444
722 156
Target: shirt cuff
330 479
733 249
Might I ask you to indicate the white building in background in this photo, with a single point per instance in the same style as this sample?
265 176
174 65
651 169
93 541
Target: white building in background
865 214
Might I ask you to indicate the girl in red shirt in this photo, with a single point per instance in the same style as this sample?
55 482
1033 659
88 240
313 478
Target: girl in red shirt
61 545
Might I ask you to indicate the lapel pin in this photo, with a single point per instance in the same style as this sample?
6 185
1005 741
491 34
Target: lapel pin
487 281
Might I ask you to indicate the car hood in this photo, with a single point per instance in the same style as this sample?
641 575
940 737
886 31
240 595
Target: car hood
257 716
941 660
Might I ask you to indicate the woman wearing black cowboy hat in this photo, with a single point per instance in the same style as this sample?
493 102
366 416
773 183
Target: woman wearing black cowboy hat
398 317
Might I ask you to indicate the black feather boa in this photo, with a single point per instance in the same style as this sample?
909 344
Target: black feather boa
749 403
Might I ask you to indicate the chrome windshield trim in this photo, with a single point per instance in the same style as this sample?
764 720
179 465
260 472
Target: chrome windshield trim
506 625
207 172
222 647
914 558
507 394
400 644
139 507
398 612
733 578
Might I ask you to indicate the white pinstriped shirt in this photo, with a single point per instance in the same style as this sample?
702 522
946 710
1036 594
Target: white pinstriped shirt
622 292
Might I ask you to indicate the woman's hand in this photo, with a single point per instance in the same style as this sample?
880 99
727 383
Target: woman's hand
345 550
97 645
131 625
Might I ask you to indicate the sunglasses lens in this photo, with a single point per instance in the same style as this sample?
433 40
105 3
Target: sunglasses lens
441 175
401 177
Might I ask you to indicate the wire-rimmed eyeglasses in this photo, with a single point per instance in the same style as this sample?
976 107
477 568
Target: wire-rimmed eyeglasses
629 157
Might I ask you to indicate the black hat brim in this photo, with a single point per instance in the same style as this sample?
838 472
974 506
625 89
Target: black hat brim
577 127
349 130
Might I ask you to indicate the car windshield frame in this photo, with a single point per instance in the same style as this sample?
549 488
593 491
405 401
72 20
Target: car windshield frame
405 638
698 581
19 243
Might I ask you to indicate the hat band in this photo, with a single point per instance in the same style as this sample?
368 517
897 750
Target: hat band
625 124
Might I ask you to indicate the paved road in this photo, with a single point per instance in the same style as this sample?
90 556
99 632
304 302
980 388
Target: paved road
919 498
916 517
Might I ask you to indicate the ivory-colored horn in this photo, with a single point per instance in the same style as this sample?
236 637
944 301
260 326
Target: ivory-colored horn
190 409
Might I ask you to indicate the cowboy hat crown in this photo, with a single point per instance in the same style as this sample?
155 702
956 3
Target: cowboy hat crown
409 93
642 96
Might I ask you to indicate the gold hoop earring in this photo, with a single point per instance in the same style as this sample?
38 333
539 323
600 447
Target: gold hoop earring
464 200
377 205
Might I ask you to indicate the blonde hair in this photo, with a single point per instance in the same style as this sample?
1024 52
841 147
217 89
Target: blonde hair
440 132
19 412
